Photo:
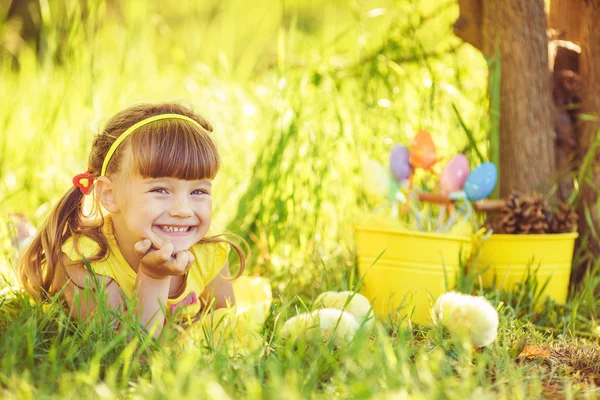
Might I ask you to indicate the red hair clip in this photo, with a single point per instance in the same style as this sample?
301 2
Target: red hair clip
84 181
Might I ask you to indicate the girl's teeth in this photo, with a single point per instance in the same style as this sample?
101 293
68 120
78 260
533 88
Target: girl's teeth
174 228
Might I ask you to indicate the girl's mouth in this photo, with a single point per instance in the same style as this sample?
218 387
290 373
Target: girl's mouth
172 230
169 228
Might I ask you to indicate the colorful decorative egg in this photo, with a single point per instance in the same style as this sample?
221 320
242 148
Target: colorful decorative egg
454 174
376 179
399 162
481 182
422 151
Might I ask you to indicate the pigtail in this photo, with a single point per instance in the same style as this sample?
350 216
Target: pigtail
41 266
39 262
235 246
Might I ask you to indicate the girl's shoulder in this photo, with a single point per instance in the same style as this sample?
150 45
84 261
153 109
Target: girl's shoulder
75 247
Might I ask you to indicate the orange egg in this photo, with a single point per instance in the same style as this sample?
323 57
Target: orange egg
422 151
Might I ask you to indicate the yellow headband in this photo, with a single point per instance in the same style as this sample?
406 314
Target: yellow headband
134 127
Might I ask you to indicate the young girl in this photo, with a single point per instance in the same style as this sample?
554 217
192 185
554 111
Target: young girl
151 169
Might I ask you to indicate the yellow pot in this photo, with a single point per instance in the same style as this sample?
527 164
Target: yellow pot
510 256
412 270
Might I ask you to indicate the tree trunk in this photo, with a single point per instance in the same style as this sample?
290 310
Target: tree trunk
528 117
29 15
517 28
578 20
588 130
565 19
590 69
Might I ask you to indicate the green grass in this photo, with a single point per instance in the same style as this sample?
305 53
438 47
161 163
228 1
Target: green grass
300 93
47 354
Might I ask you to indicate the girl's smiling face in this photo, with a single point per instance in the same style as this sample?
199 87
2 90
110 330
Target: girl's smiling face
172 209
158 187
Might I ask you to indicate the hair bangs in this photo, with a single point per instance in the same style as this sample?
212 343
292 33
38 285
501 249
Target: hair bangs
174 149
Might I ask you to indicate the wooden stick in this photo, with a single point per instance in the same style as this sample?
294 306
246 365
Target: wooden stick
442 199
489 205
435 198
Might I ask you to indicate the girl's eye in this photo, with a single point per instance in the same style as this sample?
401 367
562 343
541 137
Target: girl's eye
159 190
200 191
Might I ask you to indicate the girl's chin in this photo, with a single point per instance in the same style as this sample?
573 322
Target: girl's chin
177 248
180 244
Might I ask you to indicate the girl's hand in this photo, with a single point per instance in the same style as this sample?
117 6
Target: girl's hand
159 262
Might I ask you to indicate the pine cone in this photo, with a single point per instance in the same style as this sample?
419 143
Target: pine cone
527 214
535 215
509 215
563 220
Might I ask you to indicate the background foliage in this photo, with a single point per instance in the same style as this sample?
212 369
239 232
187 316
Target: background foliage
300 96
300 93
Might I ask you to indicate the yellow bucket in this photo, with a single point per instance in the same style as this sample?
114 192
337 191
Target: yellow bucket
509 257
412 270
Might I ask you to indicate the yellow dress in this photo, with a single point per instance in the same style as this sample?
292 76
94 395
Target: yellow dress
237 328
209 260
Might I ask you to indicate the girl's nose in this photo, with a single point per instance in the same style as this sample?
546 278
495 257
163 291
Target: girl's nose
181 208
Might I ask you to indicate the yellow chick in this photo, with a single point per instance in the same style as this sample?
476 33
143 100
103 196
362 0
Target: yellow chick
223 327
358 305
326 323
464 314
253 298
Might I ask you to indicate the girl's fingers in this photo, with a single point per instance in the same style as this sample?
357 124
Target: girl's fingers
142 247
166 251
181 259
157 242
163 259
191 259
161 256
182 262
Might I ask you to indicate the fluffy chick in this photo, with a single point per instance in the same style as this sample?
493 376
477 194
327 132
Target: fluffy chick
224 328
465 314
326 323
358 305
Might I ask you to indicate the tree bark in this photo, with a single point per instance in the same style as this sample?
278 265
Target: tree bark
565 18
588 130
577 21
468 25
590 69
528 115
517 28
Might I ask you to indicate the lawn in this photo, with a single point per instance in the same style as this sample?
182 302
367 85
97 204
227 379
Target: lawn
301 94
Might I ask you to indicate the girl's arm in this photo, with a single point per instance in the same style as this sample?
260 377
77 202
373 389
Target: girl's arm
157 265
152 293
78 277
220 288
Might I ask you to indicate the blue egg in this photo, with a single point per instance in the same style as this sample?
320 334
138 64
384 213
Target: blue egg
481 182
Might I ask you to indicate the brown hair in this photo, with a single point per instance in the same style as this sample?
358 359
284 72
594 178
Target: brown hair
157 149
